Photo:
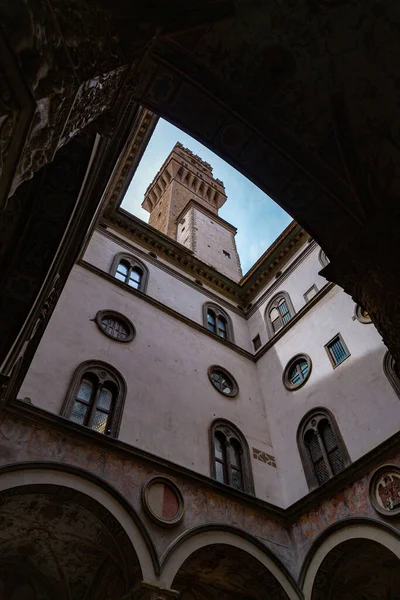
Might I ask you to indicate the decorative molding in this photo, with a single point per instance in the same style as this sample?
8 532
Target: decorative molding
165 308
384 490
264 457
152 258
299 315
157 506
355 470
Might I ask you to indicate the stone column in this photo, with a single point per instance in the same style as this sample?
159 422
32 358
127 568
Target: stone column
368 268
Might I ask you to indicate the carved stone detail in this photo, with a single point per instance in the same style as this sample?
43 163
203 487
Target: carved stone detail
72 63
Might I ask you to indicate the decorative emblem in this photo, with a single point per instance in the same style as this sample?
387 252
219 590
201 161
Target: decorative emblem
385 490
163 501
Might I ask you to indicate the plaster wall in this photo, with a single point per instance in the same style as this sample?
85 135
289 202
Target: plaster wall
209 239
167 289
357 392
170 402
296 282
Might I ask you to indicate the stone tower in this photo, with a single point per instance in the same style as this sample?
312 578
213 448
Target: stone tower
183 201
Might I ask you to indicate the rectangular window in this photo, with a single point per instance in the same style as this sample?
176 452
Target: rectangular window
257 342
337 350
311 293
226 253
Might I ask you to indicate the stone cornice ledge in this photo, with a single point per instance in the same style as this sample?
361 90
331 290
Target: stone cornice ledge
166 309
32 413
299 315
175 252
288 515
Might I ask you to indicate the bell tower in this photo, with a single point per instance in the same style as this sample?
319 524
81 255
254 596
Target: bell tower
183 201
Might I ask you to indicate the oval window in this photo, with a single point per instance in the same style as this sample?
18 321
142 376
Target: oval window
115 325
362 315
297 372
223 381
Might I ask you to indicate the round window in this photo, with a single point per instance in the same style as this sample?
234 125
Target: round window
297 372
115 325
223 381
362 315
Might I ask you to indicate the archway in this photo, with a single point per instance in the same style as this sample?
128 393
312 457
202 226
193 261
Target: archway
354 562
358 570
59 541
223 565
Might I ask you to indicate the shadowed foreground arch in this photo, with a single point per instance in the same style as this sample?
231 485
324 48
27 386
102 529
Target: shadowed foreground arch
356 560
216 562
70 536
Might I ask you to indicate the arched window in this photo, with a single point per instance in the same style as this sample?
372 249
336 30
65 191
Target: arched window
230 460
216 320
130 270
96 397
389 367
279 312
321 447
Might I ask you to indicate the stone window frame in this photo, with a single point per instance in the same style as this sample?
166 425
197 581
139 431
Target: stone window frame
235 386
117 316
323 259
273 303
311 421
218 312
285 376
257 343
329 353
360 318
232 432
390 372
133 262
305 295
104 372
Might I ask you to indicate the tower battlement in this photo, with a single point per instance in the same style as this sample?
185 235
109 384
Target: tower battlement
184 176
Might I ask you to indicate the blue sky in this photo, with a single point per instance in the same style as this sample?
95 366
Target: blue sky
258 219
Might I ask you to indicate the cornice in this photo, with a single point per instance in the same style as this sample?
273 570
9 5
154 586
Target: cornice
295 319
109 233
352 473
170 311
131 155
193 203
173 252
277 282
286 245
34 414
242 292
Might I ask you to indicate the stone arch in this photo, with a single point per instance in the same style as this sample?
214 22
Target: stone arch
43 477
337 537
221 536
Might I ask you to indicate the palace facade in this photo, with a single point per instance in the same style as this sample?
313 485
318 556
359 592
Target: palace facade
187 431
